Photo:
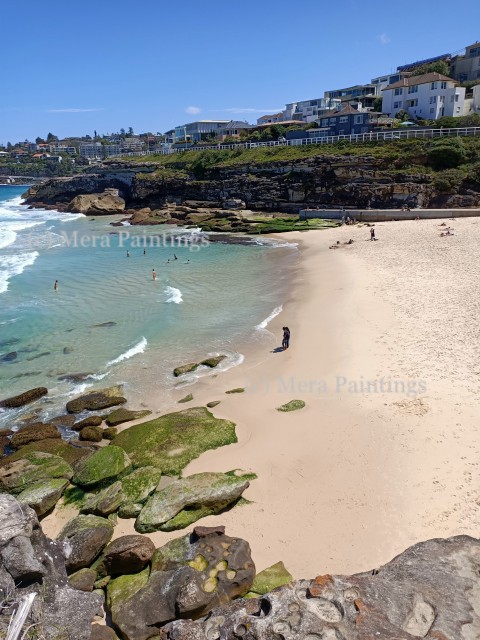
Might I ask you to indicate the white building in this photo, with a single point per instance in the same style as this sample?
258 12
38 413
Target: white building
92 150
381 82
476 99
429 96
309 110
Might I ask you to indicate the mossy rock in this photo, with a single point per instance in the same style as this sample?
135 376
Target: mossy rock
33 467
212 362
293 405
270 578
91 434
97 400
175 439
171 555
236 390
43 495
213 403
105 501
102 467
109 433
188 398
122 415
185 368
89 421
121 589
187 500
136 488
83 580
55 446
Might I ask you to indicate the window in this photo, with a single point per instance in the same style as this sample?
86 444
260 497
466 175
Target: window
324 123
433 86
433 99
343 119
457 97
358 119
443 85
398 92
441 98
413 89
397 105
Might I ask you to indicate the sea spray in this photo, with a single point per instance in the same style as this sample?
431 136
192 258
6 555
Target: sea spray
173 295
138 348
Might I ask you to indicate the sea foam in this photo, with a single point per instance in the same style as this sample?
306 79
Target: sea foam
14 265
264 324
173 295
138 348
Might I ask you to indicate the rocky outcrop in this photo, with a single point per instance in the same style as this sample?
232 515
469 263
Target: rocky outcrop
24 398
211 363
102 467
119 416
32 468
106 203
96 400
31 563
33 433
429 591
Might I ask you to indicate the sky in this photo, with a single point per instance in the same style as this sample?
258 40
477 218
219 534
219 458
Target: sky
72 68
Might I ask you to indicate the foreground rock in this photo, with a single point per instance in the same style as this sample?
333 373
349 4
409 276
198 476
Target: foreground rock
97 400
31 563
122 415
33 468
189 577
185 501
173 440
136 487
86 536
429 591
106 203
211 363
24 398
102 467
33 433
125 555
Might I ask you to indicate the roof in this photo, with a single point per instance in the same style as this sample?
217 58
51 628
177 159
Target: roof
236 124
285 123
347 110
423 79
273 115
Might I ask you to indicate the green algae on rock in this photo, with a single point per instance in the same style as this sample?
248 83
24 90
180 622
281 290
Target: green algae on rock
34 466
236 390
54 446
43 495
213 403
105 501
188 398
269 579
118 416
136 487
293 405
187 500
102 466
171 441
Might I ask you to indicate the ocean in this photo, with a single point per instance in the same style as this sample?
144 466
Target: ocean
110 321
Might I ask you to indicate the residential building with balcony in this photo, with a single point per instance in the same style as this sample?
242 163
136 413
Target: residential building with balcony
271 119
92 150
429 96
390 78
234 129
346 121
309 110
199 130
466 67
62 148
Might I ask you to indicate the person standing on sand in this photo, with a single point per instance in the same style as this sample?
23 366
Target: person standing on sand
55 285
154 274
372 234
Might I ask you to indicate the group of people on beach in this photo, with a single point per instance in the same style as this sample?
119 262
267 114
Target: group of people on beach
286 338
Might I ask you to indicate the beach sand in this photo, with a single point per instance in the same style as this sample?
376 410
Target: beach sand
363 471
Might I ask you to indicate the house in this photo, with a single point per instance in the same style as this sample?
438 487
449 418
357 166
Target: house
273 119
466 67
429 96
390 78
346 121
309 110
233 129
476 99
363 92
199 130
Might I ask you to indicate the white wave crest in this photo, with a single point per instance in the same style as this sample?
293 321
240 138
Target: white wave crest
173 295
264 324
14 265
138 348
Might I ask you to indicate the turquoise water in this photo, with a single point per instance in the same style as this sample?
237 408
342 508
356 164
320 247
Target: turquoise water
212 299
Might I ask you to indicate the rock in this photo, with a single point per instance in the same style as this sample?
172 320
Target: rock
173 440
63 421
7 584
92 434
90 421
83 580
15 520
236 390
103 325
74 377
33 467
104 502
33 433
187 398
87 535
125 415
54 446
185 368
109 433
270 579
103 466
96 400
186 500
127 554
136 488
191 576
9 357
212 362
67 350
24 398
213 403
101 632
97 203
293 405
43 495
18 558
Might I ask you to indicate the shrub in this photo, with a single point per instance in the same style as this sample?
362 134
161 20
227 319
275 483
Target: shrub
446 154
448 181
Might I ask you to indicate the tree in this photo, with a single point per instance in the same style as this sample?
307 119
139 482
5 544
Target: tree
440 66
402 115
52 138
377 104
130 131
39 140
122 132
95 135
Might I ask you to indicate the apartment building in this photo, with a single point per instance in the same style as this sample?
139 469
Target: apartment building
309 110
466 67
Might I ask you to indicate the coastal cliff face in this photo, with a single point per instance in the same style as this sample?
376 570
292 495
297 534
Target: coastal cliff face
332 181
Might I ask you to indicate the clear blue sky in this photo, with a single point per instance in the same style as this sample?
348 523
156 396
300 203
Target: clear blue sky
74 67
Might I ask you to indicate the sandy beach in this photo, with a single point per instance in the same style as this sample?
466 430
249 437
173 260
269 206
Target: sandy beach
385 353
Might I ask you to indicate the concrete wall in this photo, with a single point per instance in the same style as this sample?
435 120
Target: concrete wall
382 215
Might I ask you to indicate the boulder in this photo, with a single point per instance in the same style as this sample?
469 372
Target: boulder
15 520
19 559
127 554
101 632
92 434
125 415
97 203
9 357
270 579
136 488
213 403
43 495
185 368
196 574
33 433
54 446
186 500
34 467
105 501
212 362
83 580
89 421
293 405
87 535
187 398
63 421
102 467
24 398
173 440
96 400
109 433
